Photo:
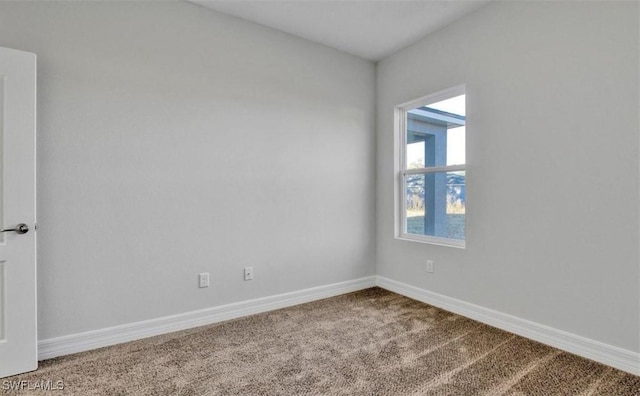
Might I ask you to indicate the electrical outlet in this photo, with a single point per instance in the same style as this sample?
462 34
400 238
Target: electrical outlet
203 279
248 273
430 266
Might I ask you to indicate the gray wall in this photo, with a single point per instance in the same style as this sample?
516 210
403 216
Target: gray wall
552 153
174 140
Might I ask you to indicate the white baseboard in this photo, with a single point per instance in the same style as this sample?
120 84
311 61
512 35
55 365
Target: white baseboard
600 352
80 342
606 354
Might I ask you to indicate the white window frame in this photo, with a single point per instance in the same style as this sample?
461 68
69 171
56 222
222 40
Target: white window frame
400 168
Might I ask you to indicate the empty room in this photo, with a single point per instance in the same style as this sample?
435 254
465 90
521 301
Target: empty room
348 197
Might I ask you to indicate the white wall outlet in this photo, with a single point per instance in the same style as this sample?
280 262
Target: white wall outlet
203 279
430 266
248 273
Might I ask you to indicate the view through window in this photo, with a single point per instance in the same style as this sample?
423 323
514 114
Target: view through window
433 169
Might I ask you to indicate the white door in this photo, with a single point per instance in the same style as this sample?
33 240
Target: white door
18 336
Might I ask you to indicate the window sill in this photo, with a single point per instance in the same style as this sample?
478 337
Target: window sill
454 243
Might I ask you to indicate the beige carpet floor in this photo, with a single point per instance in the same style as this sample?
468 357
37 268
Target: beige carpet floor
371 342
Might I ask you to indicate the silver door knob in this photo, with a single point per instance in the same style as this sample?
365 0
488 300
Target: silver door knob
19 229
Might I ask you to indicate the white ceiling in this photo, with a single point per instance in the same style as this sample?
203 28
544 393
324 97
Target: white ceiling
370 29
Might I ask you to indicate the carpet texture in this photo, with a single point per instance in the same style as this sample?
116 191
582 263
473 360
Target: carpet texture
371 342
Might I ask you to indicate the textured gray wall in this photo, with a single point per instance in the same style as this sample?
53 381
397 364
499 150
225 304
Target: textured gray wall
174 140
552 154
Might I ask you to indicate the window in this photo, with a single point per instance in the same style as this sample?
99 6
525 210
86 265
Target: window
431 193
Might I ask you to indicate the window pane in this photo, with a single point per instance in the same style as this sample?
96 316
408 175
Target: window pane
435 134
435 204
415 154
